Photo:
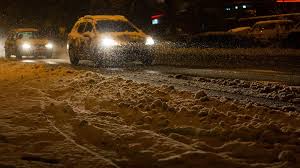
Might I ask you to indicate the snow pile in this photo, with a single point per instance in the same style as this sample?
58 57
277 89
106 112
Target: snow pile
195 118
72 117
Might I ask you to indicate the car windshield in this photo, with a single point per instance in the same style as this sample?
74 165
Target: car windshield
31 34
268 26
115 26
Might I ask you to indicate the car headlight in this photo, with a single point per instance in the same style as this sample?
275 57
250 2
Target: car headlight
150 41
108 42
26 46
49 45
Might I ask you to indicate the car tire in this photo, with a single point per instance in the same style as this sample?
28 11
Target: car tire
148 59
7 54
49 56
98 63
18 55
97 58
73 55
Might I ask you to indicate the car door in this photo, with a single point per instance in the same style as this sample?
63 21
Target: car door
8 42
88 36
270 31
79 37
285 29
256 31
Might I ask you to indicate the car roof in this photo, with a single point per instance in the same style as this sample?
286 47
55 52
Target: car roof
240 28
104 17
273 22
25 30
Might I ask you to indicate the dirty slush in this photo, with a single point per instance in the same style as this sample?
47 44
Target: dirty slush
58 116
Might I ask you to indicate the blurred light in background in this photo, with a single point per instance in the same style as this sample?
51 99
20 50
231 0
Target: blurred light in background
155 21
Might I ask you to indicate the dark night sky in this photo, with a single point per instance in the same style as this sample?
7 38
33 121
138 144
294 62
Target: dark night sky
58 12
20 12
55 13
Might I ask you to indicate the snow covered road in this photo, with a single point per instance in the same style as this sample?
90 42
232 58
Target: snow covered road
290 76
55 115
262 86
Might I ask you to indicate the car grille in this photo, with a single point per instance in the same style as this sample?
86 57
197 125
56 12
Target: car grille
134 44
40 46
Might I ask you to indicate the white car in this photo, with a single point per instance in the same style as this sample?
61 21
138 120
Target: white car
240 30
271 29
27 42
108 37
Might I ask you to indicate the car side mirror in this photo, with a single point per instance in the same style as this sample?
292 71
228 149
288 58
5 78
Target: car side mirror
20 36
87 35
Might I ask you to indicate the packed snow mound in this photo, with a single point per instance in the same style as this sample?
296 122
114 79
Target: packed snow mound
63 116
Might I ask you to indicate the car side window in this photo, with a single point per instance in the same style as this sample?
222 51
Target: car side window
282 27
81 27
256 28
89 27
9 37
14 36
289 26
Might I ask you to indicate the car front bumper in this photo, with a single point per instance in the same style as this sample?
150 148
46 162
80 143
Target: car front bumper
124 52
35 51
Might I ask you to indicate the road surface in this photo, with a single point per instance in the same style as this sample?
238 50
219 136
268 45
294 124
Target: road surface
243 84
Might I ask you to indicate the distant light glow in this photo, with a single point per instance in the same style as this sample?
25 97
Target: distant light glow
282 1
236 7
228 9
244 6
156 16
155 21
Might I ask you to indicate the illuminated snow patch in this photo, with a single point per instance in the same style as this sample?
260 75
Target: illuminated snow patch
115 69
51 62
28 61
152 72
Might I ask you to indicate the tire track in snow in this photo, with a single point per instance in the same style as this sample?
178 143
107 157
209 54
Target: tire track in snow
68 138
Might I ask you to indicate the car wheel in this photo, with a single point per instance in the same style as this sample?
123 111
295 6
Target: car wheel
73 56
98 63
147 60
18 55
97 57
48 56
7 54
